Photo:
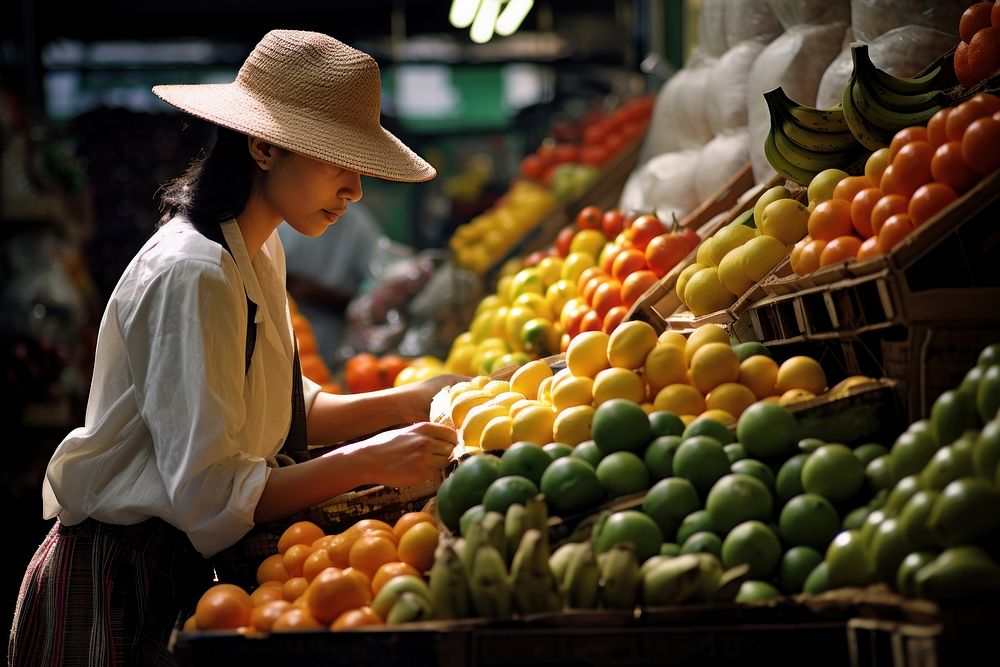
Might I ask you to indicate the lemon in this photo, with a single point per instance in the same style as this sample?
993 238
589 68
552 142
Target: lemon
572 392
703 335
533 423
793 396
618 383
588 353
704 293
648 408
774 194
472 428
684 277
536 303
511 359
479 381
721 416
732 397
572 426
456 389
517 317
485 360
786 220
558 293
630 343
505 399
482 326
525 281
524 404
588 241
760 255
526 379
876 164
704 254
672 338
499 323
539 337
665 364
460 360
714 364
464 403
575 264
503 289
728 239
497 434
801 372
822 184
561 375
759 374
681 399
731 273
550 270
496 387
545 391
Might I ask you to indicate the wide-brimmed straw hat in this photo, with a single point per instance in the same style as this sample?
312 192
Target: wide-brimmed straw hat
311 94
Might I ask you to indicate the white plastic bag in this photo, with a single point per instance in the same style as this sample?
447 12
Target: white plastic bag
726 101
711 26
666 182
719 161
872 18
791 13
750 19
678 120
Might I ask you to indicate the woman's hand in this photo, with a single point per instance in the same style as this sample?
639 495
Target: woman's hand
404 456
415 399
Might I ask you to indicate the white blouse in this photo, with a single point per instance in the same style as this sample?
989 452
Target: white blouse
174 427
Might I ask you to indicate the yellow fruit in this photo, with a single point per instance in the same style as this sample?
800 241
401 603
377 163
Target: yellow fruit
714 364
681 399
759 374
618 383
665 364
688 419
571 392
760 255
558 294
672 338
718 415
561 375
479 381
822 185
727 239
774 194
460 360
465 402
497 387
786 220
534 424
545 391
524 281
497 434
801 373
876 164
572 426
472 428
588 241
703 335
731 397
588 353
535 303
845 385
575 264
648 408
523 404
491 302
456 389
731 273
517 316
704 254
505 399
630 343
704 293
684 277
539 337
526 379
464 338
482 326
793 396
550 270
499 323
503 288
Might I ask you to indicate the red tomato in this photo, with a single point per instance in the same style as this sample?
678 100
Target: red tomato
613 223
589 217
531 167
644 229
564 238
664 252
533 259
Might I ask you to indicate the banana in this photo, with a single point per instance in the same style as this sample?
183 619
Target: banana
449 585
903 103
811 160
493 523
582 580
869 135
810 118
896 84
560 559
532 583
488 530
710 572
782 165
515 526
801 134
488 585
730 582
538 516
620 578
671 582
874 111
409 608
476 536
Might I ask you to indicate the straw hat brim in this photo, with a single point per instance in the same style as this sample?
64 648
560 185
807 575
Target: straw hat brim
370 152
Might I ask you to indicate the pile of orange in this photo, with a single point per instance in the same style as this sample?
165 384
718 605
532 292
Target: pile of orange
313 366
922 171
367 372
977 56
318 581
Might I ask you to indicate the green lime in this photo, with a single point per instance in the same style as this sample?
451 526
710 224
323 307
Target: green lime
755 468
557 450
749 349
735 452
756 591
810 445
788 482
702 460
888 549
901 494
959 574
710 427
878 473
659 456
808 520
570 485
965 512
847 560
620 425
911 452
870 526
795 567
622 474
878 500
767 431
735 499
664 422
448 508
986 451
587 451
988 394
949 463
914 519
669 549
506 491
525 459
818 580
469 517
834 472
695 522
472 477
906 576
703 543
755 544
855 519
970 383
990 356
628 526
668 502
953 413
869 452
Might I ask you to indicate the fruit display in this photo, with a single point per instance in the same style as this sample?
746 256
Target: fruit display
977 56
312 365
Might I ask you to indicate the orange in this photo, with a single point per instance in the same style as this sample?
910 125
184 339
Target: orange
861 210
964 114
390 571
316 562
895 229
607 295
869 249
801 372
293 589
910 169
759 373
223 607
417 546
270 590
608 254
929 199
981 145
300 532
339 547
324 542
974 19
263 617
950 168
370 551
356 618
983 53
840 249
635 285
410 519
905 136
588 273
793 257
591 321
887 206
850 186
295 558
937 133
591 286
626 262
876 164
830 219
272 569
614 317
809 258
368 525
961 64
295 620
333 592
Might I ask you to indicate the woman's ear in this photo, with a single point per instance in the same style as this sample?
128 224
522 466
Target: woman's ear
262 152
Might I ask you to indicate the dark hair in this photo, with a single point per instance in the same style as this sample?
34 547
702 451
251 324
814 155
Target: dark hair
217 184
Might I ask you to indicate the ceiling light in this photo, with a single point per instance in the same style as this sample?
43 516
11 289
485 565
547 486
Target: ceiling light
486 19
462 12
512 15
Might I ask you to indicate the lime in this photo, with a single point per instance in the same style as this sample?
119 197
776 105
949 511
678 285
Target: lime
888 549
620 425
710 427
506 491
911 452
906 576
703 543
448 508
990 356
834 472
788 482
855 519
869 452
557 450
735 452
695 522
702 460
808 520
959 574
735 499
659 456
901 494
756 591
767 431
818 580
810 445
966 512
988 394
525 459
622 473
587 451
970 383
878 500
847 561
755 544
986 451
795 567
664 422
870 526
948 464
953 413
878 473
669 549
466 486
669 502
755 468
749 349
570 485
628 526
469 517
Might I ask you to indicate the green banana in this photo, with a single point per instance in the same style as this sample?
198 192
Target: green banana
449 585
730 582
869 106
560 559
582 580
903 103
476 536
810 118
620 578
671 582
532 583
488 530
515 526
815 161
896 84
870 136
538 515
488 584
807 137
409 608
782 165
710 573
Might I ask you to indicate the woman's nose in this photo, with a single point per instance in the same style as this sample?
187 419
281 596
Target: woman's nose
351 190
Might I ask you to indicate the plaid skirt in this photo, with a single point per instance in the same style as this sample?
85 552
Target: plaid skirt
103 594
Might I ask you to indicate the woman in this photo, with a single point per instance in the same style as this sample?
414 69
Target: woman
196 386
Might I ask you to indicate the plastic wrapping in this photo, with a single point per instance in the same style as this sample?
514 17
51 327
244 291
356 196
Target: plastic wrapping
665 184
679 120
711 26
872 18
791 13
719 161
750 19
903 51
726 97
796 61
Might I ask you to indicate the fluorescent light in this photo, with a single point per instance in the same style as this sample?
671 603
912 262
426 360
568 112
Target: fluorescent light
486 19
462 12
512 16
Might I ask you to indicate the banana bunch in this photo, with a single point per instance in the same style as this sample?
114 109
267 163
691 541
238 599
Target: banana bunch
620 577
405 599
697 577
581 576
449 584
804 141
877 104
489 585
534 588
522 518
